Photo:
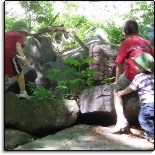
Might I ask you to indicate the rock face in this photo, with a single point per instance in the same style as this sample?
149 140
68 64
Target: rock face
97 98
39 51
97 103
104 60
41 116
14 138
86 137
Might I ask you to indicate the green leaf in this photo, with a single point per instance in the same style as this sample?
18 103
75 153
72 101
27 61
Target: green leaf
72 61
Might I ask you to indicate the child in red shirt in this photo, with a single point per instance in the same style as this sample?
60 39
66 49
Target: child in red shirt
130 47
14 41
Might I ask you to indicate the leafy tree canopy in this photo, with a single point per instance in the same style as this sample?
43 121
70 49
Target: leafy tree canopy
39 14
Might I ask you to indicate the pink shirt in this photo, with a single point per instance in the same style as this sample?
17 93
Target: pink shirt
126 45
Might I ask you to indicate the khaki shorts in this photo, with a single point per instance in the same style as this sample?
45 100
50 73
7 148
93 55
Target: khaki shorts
122 83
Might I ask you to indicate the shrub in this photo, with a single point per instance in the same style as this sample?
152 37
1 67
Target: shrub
79 80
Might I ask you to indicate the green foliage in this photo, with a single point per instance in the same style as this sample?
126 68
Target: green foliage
8 23
74 81
77 22
114 32
39 91
143 13
40 13
79 78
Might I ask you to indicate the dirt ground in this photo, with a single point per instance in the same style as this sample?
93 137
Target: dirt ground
131 138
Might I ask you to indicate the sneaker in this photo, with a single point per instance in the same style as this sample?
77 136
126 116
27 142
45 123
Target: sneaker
144 135
150 139
23 95
122 128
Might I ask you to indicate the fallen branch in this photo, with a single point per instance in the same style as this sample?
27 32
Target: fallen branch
61 28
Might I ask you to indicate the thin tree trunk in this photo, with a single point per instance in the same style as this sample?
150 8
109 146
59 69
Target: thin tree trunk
73 34
54 18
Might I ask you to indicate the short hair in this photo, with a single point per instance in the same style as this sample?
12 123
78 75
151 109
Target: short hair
131 27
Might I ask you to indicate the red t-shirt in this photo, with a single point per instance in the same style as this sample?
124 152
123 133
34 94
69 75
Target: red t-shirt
127 45
11 38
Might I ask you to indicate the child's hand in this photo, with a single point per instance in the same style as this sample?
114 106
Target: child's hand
120 93
25 62
113 83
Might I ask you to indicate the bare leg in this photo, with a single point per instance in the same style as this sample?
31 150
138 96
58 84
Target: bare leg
122 122
119 109
21 81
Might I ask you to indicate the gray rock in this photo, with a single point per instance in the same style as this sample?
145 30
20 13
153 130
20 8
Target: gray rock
39 50
98 101
39 116
103 60
15 138
97 98
85 137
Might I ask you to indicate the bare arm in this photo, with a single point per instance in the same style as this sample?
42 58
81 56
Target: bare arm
19 50
119 69
125 91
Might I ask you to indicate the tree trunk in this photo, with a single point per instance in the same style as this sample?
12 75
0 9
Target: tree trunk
73 34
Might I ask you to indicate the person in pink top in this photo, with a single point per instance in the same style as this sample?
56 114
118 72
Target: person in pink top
132 46
14 42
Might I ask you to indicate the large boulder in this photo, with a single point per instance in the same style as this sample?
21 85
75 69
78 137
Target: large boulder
88 137
104 60
39 116
39 50
97 106
97 98
15 138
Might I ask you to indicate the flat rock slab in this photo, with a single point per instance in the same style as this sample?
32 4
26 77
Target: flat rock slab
90 137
